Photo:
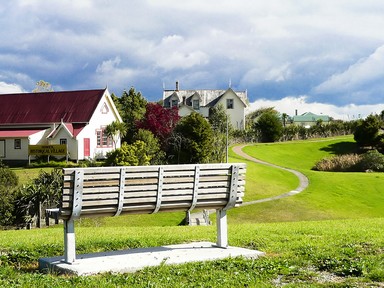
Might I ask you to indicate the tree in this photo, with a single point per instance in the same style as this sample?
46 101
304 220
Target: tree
134 154
192 140
43 190
160 121
115 130
132 107
367 131
8 184
42 86
222 129
268 127
157 156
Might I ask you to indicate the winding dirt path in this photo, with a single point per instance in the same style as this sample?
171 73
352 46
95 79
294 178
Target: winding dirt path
303 180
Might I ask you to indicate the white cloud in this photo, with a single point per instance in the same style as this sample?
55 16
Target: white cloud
366 71
290 105
6 88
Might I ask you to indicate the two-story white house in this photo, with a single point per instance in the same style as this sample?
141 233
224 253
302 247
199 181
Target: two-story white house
234 102
74 118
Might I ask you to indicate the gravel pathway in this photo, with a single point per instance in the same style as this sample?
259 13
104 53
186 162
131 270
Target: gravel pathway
303 180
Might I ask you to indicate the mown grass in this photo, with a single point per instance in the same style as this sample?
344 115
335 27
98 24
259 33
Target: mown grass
342 253
329 235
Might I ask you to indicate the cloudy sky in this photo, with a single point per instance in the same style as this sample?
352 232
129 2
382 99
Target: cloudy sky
320 56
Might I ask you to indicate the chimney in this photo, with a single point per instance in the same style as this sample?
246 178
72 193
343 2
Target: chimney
296 112
177 85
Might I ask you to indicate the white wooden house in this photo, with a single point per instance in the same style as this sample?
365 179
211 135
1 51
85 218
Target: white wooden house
234 102
74 118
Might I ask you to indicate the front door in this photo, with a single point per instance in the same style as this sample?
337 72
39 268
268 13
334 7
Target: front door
87 147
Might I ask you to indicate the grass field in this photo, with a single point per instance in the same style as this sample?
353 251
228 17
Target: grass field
329 235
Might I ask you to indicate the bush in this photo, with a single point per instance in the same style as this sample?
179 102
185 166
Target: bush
340 163
8 184
369 161
372 161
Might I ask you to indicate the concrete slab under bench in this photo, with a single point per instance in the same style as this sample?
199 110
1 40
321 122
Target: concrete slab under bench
132 260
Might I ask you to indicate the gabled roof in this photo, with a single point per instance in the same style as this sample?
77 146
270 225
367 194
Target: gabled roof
310 117
206 96
49 107
22 133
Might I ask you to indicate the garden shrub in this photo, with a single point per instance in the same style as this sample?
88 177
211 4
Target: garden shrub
372 161
369 161
8 184
339 163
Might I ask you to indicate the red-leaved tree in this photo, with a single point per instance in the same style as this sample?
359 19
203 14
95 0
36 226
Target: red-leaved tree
160 121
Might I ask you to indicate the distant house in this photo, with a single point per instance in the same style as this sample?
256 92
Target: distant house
234 102
74 118
309 119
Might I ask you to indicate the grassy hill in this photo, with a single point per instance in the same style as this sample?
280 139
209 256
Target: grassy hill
329 235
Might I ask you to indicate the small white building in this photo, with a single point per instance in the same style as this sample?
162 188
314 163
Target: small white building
74 118
234 102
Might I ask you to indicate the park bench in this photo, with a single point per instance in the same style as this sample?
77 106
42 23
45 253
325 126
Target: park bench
114 191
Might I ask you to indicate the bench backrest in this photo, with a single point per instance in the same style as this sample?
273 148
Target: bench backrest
111 191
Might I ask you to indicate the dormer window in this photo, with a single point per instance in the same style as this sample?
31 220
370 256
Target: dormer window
196 104
174 103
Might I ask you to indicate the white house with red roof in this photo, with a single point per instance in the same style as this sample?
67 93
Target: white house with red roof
74 118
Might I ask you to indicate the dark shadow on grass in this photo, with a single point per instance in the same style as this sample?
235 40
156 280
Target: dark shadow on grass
341 148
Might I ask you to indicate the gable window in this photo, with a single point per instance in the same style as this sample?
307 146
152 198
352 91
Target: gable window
196 104
229 103
102 140
104 109
17 144
174 103
63 141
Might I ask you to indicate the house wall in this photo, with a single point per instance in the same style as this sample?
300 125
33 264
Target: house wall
104 114
21 154
237 114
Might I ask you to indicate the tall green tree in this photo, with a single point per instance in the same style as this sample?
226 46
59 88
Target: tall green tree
222 130
367 131
268 127
192 140
132 107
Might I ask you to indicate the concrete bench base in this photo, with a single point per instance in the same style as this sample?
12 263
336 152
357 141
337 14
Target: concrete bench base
132 260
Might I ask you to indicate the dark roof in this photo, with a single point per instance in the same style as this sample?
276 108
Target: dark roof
49 107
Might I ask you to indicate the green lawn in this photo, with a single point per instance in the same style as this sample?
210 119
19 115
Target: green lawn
329 235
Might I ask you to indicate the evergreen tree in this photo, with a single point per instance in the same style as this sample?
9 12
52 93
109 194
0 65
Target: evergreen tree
192 140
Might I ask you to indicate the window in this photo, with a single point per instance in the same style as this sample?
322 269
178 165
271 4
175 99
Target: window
102 140
104 109
196 104
17 144
63 141
229 103
174 103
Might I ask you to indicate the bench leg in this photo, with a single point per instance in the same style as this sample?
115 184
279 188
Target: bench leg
222 229
69 242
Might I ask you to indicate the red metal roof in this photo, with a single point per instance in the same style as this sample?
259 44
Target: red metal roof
17 133
49 107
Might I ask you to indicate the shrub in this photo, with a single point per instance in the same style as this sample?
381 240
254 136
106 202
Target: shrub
372 161
369 161
8 184
339 163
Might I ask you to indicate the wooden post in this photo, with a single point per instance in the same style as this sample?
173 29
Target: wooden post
222 229
69 242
